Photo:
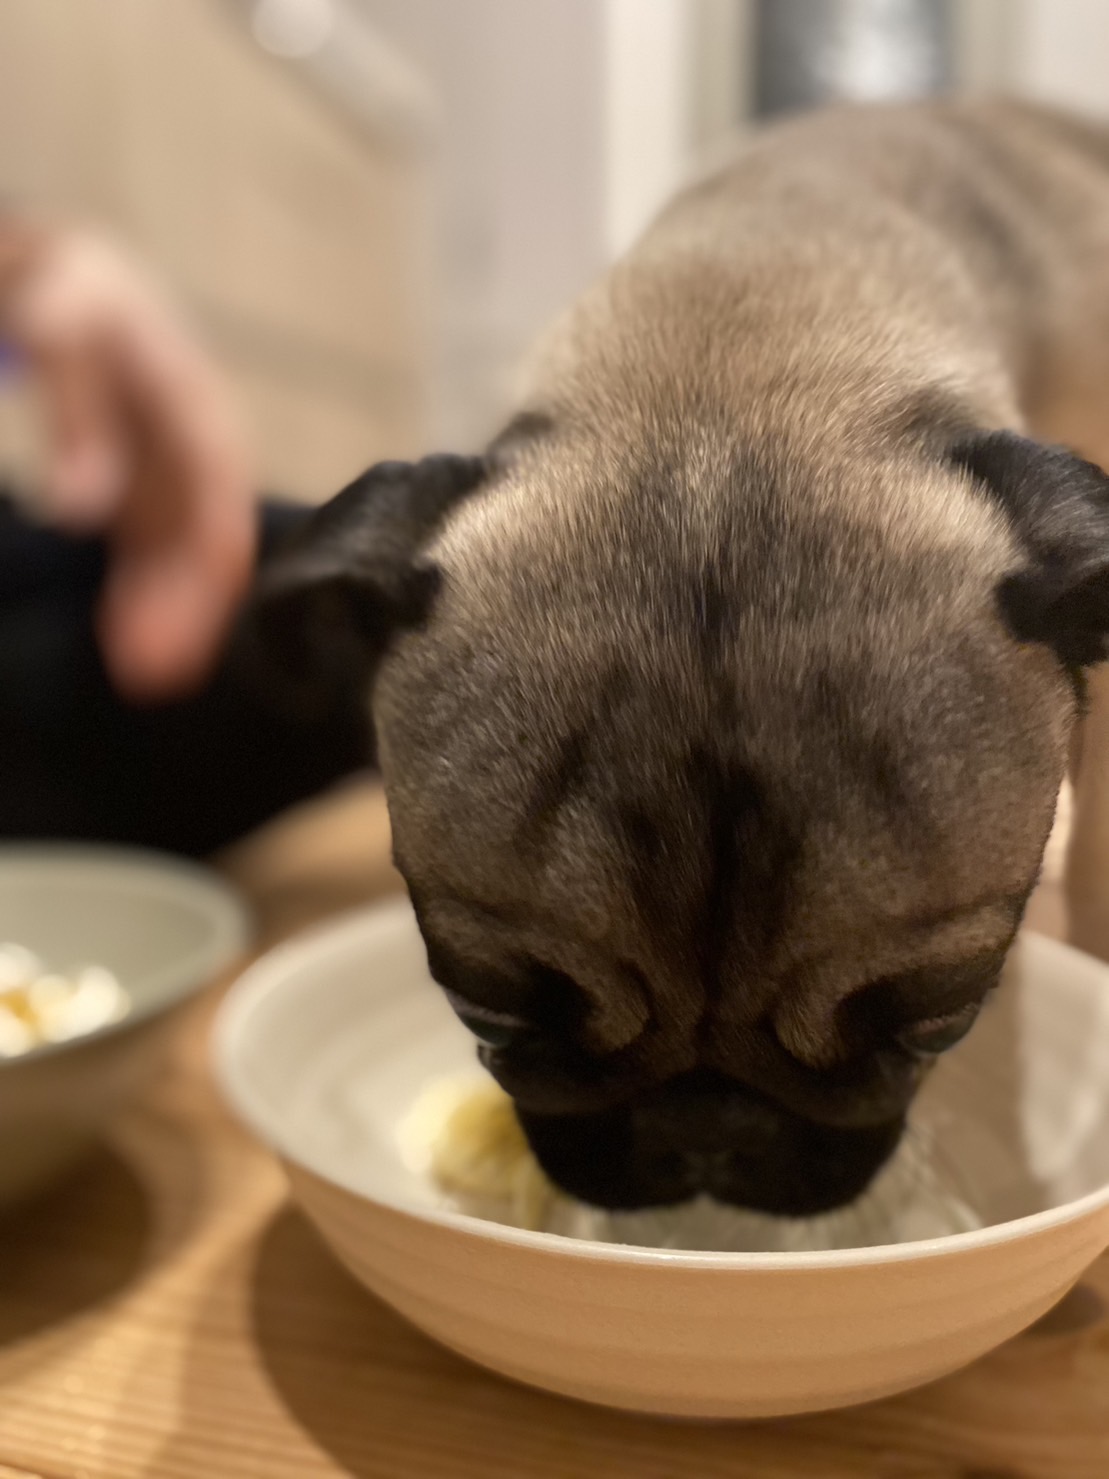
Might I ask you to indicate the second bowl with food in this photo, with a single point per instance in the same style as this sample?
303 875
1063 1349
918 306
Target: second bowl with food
100 948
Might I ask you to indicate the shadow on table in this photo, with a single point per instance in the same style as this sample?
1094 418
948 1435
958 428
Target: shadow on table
379 1397
374 1399
75 1246
89 1238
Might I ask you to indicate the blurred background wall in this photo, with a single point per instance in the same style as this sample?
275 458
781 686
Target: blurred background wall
370 206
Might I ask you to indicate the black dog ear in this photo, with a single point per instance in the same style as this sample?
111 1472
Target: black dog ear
352 577
1059 506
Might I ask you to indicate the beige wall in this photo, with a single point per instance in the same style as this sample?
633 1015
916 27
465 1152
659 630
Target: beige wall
300 241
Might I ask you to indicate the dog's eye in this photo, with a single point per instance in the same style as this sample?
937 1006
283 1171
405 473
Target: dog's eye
493 1034
937 1034
498 1029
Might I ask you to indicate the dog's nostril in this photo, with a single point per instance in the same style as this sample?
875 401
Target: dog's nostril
712 1138
743 1129
710 1119
707 1162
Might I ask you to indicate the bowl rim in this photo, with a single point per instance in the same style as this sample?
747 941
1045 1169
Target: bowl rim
271 972
215 898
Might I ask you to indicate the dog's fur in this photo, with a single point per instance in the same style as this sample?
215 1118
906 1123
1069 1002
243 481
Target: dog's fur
726 703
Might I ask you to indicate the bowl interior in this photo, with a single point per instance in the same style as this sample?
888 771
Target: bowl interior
162 927
325 1046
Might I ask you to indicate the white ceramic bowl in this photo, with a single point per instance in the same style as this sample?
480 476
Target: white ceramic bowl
324 1046
164 928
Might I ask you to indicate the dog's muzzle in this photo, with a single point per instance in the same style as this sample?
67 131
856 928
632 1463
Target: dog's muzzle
703 1134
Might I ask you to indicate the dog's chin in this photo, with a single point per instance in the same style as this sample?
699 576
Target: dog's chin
759 1158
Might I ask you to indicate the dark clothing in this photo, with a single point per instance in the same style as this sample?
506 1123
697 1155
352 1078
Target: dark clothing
77 762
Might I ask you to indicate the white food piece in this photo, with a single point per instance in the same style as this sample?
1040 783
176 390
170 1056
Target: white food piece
18 967
463 1133
16 1035
37 1006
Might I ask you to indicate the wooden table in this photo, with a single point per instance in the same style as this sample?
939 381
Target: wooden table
168 1314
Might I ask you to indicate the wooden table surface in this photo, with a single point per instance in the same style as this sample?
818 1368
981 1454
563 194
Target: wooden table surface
168 1313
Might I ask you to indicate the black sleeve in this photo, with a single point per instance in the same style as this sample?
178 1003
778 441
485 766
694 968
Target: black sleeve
77 762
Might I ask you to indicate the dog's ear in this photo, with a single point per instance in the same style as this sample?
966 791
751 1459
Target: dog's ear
329 603
1059 506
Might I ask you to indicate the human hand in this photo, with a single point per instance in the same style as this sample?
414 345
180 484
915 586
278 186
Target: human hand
143 446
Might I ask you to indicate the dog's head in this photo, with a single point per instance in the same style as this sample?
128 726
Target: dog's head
719 788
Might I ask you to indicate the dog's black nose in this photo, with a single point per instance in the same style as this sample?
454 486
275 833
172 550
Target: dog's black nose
703 1116
702 1134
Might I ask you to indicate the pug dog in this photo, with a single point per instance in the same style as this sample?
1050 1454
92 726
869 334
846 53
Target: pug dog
723 704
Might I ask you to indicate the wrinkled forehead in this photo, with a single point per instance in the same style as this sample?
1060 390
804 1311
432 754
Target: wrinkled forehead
652 824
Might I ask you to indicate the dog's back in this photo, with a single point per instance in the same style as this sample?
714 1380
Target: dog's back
845 259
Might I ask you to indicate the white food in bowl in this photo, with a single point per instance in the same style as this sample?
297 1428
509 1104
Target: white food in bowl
40 1006
327 1045
463 1133
158 930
